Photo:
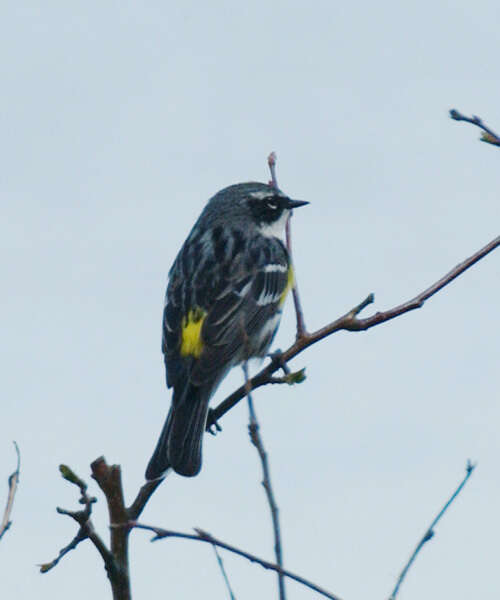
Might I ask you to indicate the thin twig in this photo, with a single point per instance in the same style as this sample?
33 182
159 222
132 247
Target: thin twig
489 136
13 482
429 534
203 536
79 537
299 313
223 571
256 439
143 496
86 531
271 163
349 322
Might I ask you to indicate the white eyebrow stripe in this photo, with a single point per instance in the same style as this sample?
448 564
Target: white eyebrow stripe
262 195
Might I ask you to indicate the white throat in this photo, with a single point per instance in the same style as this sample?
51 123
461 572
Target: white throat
276 229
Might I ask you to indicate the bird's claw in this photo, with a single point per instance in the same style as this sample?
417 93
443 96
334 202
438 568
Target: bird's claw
277 358
212 425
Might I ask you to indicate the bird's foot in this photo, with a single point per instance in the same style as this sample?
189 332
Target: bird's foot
289 377
278 360
212 425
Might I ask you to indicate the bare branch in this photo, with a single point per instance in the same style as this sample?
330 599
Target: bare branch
271 163
109 480
79 537
299 313
203 536
256 439
223 571
145 493
86 531
488 135
349 322
429 534
13 482
116 558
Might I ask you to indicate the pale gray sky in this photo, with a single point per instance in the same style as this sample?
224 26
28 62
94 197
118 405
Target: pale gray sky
119 121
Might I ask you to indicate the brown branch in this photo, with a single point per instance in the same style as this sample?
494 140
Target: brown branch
13 482
488 135
271 163
86 531
109 480
256 439
429 534
143 496
349 322
116 558
299 313
79 537
203 536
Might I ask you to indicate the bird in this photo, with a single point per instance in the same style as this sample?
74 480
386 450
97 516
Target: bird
223 304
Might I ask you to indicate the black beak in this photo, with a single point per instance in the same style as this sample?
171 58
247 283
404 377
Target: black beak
295 203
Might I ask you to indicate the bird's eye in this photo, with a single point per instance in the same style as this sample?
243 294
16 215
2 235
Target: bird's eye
272 204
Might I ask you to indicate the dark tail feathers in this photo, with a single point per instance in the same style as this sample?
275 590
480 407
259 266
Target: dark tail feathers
180 441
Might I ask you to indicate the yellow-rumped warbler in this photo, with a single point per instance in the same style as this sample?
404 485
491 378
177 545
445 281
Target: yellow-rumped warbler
223 305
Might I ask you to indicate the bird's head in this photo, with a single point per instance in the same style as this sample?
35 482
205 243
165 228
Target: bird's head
254 205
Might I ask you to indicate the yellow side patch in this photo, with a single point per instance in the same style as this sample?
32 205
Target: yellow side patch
191 342
289 285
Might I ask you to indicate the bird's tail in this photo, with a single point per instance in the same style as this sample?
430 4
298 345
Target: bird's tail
180 441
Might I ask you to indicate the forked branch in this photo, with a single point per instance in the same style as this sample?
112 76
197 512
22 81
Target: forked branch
488 135
204 537
429 534
115 558
86 530
349 322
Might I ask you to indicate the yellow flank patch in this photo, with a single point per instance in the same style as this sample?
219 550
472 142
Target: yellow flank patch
289 285
191 342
